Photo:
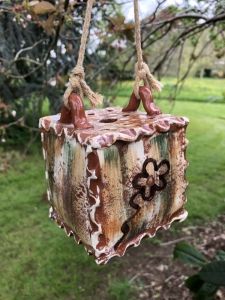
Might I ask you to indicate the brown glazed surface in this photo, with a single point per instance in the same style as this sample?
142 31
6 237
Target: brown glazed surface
147 100
118 181
112 124
76 114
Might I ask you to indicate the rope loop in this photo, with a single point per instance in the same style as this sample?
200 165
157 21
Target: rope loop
78 71
77 81
142 71
78 84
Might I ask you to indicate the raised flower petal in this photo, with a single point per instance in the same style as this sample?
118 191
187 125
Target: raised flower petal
151 179
139 181
163 167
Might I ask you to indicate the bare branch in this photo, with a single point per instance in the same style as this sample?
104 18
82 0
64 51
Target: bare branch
27 49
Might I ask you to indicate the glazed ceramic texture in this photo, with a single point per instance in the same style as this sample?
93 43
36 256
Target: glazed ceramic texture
117 182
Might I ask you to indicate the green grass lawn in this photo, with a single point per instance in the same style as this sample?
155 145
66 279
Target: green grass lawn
194 89
206 133
39 262
206 172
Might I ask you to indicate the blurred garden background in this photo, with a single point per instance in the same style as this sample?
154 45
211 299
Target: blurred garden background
184 45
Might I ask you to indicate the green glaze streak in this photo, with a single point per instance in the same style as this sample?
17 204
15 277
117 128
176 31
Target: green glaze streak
111 154
162 144
68 155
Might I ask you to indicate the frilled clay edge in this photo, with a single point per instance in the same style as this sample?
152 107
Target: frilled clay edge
179 216
111 125
162 123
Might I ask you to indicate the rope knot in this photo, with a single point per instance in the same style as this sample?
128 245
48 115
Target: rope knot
77 81
78 71
78 84
76 76
140 72
143 73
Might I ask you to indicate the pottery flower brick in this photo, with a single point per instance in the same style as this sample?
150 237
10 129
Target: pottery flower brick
117 182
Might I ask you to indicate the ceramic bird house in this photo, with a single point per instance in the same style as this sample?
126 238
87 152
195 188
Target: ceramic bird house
115 175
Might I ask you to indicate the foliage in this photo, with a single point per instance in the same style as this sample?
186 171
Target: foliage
39 262
223 95
39 46
207 139
206 282
205 90
189 254
121 290
40 43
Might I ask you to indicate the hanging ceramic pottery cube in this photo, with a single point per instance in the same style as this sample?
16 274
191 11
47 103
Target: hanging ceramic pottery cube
115 175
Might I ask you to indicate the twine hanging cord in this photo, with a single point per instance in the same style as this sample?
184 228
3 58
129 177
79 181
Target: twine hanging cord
77 81
142 71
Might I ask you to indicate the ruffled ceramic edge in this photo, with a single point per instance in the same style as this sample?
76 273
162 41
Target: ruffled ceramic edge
179 215
104 258
87 137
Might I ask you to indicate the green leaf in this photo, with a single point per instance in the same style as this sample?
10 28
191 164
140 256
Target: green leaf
220 255
206 292
194 283
188 254
214 273
202 290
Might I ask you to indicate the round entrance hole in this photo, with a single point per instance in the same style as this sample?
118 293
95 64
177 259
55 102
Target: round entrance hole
108 120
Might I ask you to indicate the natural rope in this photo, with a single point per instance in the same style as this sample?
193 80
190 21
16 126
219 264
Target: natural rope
142 71
77 81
